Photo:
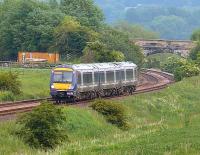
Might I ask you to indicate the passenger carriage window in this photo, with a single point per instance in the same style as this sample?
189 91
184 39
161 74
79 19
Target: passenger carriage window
79 78
129 74
136 74
102 77
118 76
96 77
123 75
110 76
87 78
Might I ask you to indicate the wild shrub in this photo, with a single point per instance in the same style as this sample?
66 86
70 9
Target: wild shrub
7 96
181 68
43 128
9 82
152 63
114 113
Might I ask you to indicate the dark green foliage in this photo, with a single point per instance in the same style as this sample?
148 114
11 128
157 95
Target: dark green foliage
196 35
43 127
120 41
170 23
195 52
171 19
135 31
86 12
26 25
113 112
65 26
171 27
98 52
9 82
152 63
71 37
181 68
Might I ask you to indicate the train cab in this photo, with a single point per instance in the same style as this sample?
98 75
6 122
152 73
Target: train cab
62 83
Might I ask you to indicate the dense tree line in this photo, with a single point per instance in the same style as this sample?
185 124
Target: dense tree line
176 3
170 23
171 19
75 29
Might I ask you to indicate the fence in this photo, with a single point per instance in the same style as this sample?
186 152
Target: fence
11 64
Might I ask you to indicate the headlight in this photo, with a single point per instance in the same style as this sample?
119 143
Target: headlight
52 86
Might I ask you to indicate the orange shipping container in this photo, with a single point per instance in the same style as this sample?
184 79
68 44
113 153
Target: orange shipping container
24 57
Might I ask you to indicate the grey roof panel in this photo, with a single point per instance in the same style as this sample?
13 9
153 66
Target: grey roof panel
104 66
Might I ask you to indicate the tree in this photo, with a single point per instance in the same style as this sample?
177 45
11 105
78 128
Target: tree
195 51
86 12
181 68
43 127
169 21
196 35
117 56
71 37
27 25
98 52
119 41
135 31
170 27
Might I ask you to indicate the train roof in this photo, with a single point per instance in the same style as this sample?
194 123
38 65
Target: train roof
101 66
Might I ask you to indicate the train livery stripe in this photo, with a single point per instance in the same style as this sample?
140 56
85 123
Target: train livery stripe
62 86
64 69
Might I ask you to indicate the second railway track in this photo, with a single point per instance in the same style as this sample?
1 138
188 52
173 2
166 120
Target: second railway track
151 80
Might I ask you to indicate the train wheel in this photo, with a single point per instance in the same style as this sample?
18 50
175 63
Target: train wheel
131 90
93 95
126 91
119 91
58 101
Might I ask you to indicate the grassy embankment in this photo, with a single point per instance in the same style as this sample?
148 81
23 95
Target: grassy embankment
165 122
35 84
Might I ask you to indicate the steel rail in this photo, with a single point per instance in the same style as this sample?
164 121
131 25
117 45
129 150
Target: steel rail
155 80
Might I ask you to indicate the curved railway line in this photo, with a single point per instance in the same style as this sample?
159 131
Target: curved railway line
150 80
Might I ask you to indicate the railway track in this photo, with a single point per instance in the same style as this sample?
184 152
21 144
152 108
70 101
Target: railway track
20 106
151 80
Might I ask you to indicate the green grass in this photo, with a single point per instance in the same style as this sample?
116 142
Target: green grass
35 84
165 122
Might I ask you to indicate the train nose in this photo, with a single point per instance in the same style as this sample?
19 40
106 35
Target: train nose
62 86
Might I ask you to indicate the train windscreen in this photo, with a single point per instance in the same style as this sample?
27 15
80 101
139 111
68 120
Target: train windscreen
62 77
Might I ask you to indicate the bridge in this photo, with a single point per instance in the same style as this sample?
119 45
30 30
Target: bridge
180 47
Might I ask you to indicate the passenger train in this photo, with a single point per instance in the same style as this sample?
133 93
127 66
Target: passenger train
88 81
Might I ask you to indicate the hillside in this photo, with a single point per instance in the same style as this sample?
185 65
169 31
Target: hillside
165 122
128 3
171 19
